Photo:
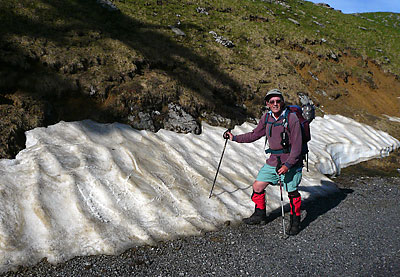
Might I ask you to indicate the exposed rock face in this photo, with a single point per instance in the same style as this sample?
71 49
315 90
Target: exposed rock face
180 121
145 122
217 120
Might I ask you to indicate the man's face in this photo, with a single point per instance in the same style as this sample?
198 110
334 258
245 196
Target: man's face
275 103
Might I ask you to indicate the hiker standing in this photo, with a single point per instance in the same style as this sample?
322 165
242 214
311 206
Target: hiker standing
284 135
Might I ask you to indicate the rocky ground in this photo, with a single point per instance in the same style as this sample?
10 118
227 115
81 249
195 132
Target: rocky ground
353 233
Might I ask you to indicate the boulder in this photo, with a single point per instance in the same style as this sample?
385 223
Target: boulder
319 24
224 41
324 5
201 10
177 31
180 121
108 5
313 76
304 99
294 21
143 122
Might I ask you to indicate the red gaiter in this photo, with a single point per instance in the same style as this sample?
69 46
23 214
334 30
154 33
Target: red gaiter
259 199
295 204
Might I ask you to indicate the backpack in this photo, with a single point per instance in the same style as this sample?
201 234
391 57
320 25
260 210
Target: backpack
305 114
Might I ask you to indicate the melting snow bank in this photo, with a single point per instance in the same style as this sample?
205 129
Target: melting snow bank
338 142
84 188
392 118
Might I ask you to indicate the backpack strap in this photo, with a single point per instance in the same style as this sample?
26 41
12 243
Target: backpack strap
280 151
284 122
269 126
266 121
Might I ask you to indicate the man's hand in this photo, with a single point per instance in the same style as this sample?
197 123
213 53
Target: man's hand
228 135
283 170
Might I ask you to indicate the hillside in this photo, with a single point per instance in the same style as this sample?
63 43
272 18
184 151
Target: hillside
215 60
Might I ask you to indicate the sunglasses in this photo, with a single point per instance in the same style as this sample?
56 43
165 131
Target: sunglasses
272 102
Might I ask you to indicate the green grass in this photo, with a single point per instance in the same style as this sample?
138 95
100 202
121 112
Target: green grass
72 60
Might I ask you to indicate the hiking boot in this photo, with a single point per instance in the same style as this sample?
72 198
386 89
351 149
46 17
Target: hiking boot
294 225
258 217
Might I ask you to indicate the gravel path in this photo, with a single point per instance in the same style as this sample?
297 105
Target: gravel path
354 233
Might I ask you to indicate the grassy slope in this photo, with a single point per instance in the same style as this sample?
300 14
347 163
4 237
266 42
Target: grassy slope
83 61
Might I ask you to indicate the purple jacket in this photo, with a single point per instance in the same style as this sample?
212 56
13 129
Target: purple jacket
291 159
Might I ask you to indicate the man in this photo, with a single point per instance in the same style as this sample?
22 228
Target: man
284 137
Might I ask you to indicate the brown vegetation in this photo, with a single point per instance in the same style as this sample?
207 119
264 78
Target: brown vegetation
58 61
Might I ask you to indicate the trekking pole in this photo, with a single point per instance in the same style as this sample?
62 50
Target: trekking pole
226 136
280 187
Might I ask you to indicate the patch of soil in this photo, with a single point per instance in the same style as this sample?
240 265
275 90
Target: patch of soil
383 167
360 87
19 113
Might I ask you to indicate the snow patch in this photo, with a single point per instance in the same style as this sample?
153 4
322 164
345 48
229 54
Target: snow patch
393 118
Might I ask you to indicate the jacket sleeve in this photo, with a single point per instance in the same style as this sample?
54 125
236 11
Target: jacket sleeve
254 135
296 142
